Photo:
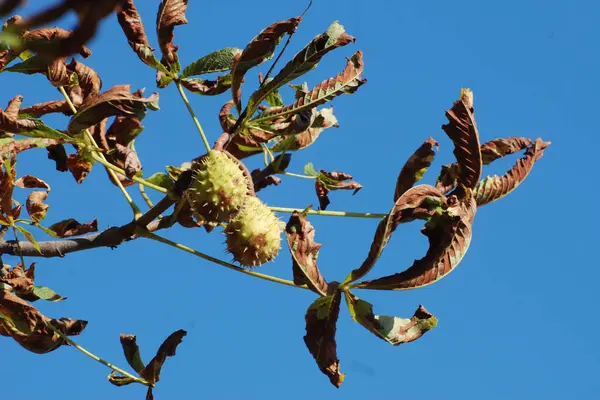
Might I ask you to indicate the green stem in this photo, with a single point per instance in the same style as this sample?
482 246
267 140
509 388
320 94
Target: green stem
330 213
219 262
191 111
95 357
297 175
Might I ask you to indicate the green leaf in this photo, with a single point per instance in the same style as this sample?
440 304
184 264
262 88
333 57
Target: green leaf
147 56
393 330
161 179
43 131
217 61
307 59
32 65
274 98
347 82
119 380
47 231
46 293
29 237
309 169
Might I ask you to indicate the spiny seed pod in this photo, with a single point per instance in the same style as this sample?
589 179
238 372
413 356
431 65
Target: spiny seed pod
219 188
254 234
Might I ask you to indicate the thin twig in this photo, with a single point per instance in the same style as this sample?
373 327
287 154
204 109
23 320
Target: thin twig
191 111
330 213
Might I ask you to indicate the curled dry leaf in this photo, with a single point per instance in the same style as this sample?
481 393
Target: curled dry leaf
88 87
35 206
171 13
307 59
419 202
328 181
414 169
12 109
71 227
266 177
260 49
7 177
449 235
300 236
30 181
321 320
28 327
495 187
79 166
117 101
347 82
49 107
207 87
58 154
9 145
53 42
22 283
323 120
462 130
27 127
393 330
152 371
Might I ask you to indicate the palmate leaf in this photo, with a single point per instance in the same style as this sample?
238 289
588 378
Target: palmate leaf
419 202
462 130
259 50
217 61
321 319
393 330
300 236
495 187
346 82
449 237
303 62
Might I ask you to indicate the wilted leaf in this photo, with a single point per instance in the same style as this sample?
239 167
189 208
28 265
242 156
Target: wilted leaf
321 320
323 120
304 61
30 181
266 176
207 87
58 154
132 352
328 181
117 101
35 206
346 82
10 145
28 127
419 202
70 227
495 187
449 236
393 330
7 177
49 107
415 167
260 49
12 109
88 86
217 61
462 130
19 279
152 371
170 14
79 166
301 242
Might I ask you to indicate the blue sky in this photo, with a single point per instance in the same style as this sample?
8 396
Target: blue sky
516 317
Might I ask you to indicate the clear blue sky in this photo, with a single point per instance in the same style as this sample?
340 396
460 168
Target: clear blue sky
517 318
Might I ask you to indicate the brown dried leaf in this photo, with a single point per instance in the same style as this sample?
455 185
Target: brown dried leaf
393 330
21 280
35 206
323 120
260 49
207 87
79 167
124 130
49 107
419 202
449 237
321 319
7 176
462 130
54 42
414 169
131 23
128 158
495 187
225 116
9 146
89 84
58 153
152 371
70 227
328 181
170 14
266 177
30 181
12 109
300 236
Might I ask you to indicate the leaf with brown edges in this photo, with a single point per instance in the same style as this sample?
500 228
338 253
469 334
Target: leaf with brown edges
449 237
171 13
321 319
152 370
393 330
71 227
323 120
495 187
259 50
207 87
35 206
419 202
414 169
334 180
30 181
301 242
462 130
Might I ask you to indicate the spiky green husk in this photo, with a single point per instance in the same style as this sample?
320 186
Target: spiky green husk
218 190
254 234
